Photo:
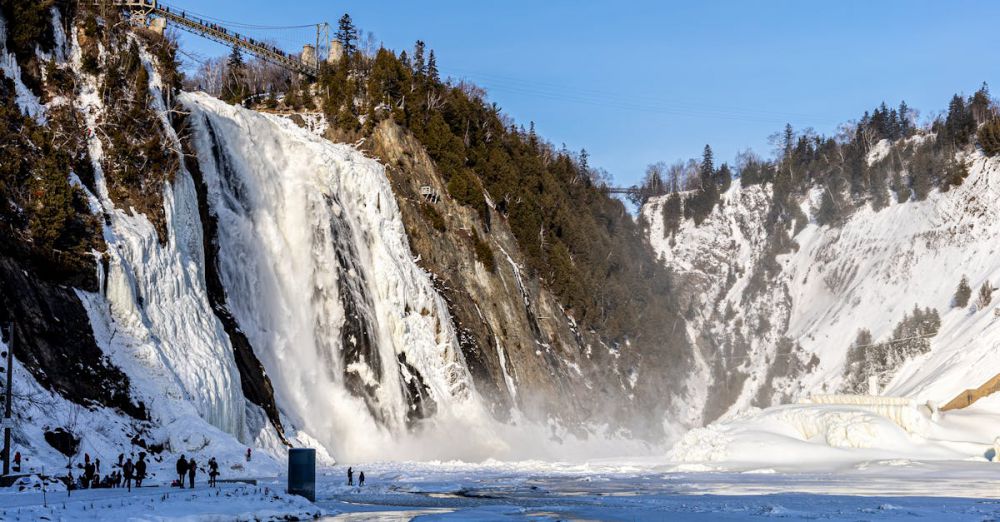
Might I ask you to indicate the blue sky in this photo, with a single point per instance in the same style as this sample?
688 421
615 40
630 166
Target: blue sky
642 81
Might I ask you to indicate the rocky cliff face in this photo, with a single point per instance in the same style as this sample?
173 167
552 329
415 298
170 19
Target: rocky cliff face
525 354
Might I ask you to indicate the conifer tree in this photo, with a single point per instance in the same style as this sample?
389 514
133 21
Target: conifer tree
980 105
419 66
432 70
905 127
831 205
707 168
789 140
724 177
673 213
989 137
234 86
962 293
235 60
347 35
985 295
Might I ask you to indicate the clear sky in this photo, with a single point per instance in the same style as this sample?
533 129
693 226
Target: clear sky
642 81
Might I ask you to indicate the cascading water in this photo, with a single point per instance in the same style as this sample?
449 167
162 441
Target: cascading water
318 274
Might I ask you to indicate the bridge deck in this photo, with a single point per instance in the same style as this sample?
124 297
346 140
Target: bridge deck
215 32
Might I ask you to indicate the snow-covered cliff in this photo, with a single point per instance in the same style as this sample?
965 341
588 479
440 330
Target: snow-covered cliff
773 337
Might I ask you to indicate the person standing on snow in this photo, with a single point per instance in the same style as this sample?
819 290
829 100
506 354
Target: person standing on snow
361 478
128 468
182 467
140 470
248 454
192 467
97 465
350 476
213 471
88 474
17 461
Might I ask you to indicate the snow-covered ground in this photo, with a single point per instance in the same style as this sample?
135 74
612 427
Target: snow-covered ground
227 502
627 489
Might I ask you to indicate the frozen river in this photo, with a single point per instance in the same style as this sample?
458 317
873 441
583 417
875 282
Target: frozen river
882 490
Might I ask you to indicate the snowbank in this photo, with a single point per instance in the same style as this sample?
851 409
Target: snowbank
831 436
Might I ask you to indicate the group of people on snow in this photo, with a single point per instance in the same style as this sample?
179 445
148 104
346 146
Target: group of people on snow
188 468
350 477
121 475
127 472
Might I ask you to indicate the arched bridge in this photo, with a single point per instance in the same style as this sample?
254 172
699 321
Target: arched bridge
191 23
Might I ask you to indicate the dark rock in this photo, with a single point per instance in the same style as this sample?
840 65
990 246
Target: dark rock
63 441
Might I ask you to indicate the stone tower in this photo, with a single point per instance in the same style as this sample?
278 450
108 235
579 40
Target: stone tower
336 53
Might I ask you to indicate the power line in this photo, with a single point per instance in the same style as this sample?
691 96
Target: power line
231 23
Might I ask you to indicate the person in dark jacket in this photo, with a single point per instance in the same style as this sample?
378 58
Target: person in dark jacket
361 478
350 476
88 474
182 467
192 468
140 470
128 469
213 471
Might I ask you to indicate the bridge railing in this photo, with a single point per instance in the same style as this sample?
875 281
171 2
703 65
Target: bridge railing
216 33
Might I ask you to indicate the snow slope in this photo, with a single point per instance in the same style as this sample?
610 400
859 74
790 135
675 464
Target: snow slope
867 273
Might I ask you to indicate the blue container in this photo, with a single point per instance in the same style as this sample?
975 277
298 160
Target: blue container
302 472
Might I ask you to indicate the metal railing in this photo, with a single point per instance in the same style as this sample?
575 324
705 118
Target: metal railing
215 32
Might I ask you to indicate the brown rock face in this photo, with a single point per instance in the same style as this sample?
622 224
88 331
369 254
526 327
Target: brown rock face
521 348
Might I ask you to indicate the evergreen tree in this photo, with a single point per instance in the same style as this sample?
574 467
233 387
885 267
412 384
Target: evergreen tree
905 127
234 86
962 293
347 35
831 205
292 99
879 190
985 295
980 105
419 67
235 60
959 123
707 169
789 140
724 177
989 137
704 200
432 70
306 99
673 214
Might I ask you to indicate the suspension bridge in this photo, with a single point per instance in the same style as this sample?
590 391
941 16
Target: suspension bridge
622 190
307 63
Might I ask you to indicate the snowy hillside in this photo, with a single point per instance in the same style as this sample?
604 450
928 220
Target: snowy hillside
867 273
